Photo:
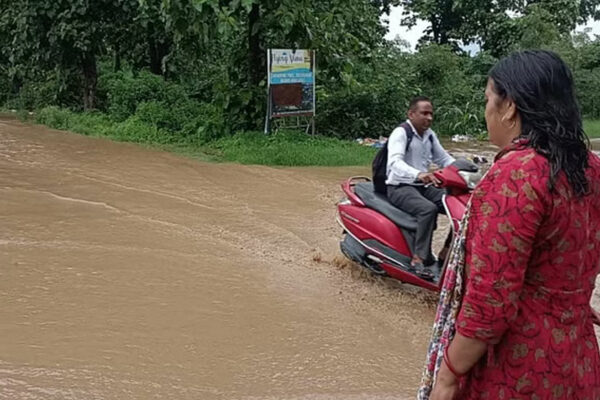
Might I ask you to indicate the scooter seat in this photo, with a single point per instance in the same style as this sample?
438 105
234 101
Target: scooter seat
380 203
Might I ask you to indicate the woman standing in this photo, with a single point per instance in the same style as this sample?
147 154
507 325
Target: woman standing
532 247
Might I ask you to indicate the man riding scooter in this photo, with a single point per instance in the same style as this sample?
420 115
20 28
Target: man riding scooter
412 148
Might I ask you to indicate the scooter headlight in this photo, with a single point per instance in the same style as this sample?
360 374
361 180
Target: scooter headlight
471 178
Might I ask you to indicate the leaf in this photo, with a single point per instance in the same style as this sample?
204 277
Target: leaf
199 4
247 4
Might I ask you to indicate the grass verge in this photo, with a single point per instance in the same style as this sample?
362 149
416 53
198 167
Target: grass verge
282 149
291 149
592 128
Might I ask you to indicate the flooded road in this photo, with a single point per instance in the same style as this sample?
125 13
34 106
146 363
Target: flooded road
130 273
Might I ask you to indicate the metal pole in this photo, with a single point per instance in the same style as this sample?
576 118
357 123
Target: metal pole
314 60
268 116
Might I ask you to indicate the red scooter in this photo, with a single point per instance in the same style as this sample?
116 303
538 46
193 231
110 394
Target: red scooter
380 237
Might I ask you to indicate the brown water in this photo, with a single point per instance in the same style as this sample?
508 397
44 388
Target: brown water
128 273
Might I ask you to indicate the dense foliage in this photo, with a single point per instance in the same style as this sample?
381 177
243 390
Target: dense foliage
196 69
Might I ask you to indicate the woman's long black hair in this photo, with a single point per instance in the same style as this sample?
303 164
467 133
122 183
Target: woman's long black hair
541 86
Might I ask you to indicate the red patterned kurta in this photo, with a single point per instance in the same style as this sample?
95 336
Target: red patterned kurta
532 259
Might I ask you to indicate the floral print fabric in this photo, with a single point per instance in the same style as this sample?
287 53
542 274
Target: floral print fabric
447 311
531 258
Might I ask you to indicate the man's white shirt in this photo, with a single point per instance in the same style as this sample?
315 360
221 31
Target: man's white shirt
404 167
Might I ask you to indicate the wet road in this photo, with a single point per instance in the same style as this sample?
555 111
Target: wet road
131 273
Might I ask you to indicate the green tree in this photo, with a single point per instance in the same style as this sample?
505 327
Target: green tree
240 32
334 28
71 34
489 22
444 16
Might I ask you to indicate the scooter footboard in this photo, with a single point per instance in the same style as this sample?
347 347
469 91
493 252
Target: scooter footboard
353 249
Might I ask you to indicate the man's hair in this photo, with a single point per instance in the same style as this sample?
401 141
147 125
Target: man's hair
416 100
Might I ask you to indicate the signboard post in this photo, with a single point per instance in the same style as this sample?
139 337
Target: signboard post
291 86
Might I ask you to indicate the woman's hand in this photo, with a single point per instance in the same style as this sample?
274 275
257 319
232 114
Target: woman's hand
463 353
446 385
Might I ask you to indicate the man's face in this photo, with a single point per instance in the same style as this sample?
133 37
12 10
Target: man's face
421 116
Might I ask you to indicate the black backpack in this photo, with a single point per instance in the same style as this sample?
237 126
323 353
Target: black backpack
380 161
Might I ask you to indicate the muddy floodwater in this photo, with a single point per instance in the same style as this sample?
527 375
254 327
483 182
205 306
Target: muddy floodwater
128 273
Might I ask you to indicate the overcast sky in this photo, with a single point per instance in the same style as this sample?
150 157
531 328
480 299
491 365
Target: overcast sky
413 35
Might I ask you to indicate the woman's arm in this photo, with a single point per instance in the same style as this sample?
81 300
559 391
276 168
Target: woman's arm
463 353
506 212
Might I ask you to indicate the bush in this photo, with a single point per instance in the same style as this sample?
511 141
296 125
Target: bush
172 118
374 107
137 131
124 92
372 98
48 88
185 120
466 119
209 125
54 117
88 123
98 124
34 95
5 88
147 101
457 96
206 126
365 111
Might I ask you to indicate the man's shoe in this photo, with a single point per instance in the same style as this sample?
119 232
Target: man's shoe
429 261
422 271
